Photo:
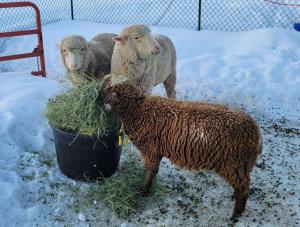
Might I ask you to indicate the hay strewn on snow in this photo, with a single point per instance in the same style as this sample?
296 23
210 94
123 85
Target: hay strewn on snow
81 110
121 193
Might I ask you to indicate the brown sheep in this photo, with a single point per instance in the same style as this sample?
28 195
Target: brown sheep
192 135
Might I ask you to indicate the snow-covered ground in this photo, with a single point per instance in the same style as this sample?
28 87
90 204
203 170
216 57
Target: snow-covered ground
256 70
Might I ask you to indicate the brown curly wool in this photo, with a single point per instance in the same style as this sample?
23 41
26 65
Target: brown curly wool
192 135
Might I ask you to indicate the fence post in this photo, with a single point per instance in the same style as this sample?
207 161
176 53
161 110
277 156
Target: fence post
72 10
199 15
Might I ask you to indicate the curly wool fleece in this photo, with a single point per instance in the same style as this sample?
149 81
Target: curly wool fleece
193 135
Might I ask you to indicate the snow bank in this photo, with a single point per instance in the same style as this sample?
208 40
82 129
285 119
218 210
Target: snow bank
22 127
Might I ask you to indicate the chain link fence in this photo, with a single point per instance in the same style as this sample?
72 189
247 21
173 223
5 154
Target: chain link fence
221 15
241 15
170 13
12 19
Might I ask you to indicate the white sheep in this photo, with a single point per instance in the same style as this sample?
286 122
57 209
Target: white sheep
87 60
145 59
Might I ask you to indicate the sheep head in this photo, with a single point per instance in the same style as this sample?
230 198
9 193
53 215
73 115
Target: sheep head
74 53
137 43
117 90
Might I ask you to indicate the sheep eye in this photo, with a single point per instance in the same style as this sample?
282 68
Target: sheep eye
64 51
82 49
136 37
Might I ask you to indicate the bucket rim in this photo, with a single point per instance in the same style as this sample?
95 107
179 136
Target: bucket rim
81 135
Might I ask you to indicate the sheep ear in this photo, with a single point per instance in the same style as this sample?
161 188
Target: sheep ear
119 39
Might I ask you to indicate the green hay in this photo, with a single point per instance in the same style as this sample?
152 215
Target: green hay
122 192
81 110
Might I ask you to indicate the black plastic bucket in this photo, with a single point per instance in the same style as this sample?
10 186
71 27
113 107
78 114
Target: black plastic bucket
86 158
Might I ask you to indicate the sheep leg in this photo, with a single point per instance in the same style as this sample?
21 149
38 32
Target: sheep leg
234 195
169 85
149 176
241 196
152 166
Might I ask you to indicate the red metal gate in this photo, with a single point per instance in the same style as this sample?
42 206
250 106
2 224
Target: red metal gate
39 50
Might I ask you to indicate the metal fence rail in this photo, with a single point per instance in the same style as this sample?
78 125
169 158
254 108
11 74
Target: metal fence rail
38 51
21 19
222 15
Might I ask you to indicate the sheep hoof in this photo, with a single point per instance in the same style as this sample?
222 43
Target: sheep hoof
144 191
233 197
234 218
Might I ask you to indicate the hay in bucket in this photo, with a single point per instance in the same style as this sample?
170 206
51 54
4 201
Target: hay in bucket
80 110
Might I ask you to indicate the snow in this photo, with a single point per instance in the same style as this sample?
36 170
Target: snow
258 71
81 217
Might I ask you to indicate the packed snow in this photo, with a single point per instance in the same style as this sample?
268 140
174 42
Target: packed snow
258 71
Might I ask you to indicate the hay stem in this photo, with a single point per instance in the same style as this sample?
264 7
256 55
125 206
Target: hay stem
121 192
80 110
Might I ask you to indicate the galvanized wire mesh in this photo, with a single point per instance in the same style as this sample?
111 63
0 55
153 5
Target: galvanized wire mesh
12 19
170 13
241 15
225 15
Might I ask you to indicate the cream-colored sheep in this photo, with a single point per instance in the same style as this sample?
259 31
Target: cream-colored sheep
145 59
87 60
